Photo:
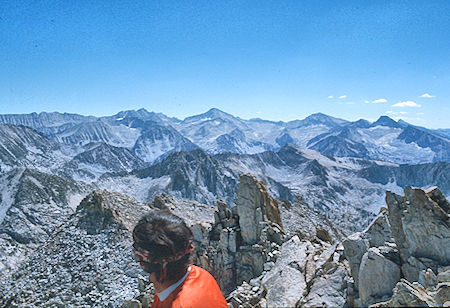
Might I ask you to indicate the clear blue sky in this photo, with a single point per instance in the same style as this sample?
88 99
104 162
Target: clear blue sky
277 60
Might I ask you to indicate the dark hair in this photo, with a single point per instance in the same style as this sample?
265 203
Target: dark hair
163 234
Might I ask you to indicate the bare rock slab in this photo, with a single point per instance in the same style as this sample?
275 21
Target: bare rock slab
377 277
285 282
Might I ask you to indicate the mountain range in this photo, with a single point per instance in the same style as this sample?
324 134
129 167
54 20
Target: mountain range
341 168
152 136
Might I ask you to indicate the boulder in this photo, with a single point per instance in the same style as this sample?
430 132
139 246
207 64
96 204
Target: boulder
407 294
377 277
355 246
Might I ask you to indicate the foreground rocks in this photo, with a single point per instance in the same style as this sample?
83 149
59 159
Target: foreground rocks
257 263
403 257
262 252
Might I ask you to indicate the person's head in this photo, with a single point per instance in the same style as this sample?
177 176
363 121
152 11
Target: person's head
162 243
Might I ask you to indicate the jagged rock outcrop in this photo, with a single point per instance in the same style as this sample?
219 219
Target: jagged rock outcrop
235 247
403 257
255 205
420 223
297 271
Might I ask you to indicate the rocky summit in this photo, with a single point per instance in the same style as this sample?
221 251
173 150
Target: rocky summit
263 252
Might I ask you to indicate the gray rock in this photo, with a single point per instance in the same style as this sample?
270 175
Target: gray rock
132 304
406 294
442 293
411 269
443 274
377 276
200 231
250 262
354 248
324 235
254 203
285 282
328 290
379 230
390 252
420 224
428 278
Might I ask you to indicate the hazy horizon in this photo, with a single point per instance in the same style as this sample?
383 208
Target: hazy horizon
231 113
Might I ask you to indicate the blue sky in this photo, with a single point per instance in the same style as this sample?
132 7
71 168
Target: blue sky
277 60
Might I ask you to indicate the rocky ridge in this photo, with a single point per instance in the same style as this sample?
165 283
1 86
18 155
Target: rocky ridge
86 262
32 206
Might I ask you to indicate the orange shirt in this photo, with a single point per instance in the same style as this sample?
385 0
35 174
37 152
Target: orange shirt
199 290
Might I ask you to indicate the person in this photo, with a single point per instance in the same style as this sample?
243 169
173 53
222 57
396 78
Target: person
162 243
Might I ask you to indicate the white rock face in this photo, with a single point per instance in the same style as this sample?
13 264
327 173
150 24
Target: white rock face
328 290
377 276
285 282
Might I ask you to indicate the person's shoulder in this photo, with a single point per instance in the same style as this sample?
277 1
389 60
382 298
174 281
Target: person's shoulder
200 290
197 270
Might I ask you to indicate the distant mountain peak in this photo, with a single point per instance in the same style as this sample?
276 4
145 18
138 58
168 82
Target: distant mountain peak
211 114
403 123
217 113
386 121
361 123
319 118
318 115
